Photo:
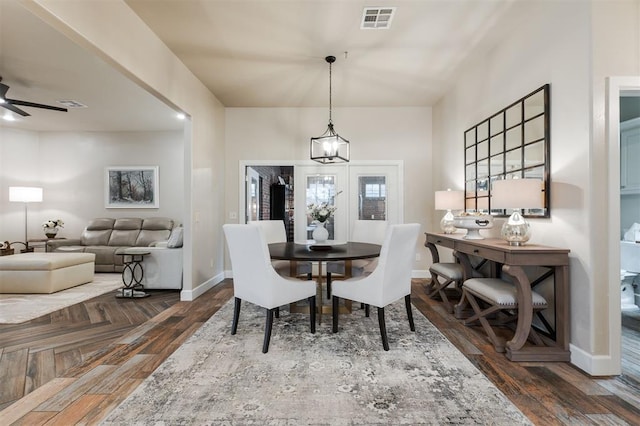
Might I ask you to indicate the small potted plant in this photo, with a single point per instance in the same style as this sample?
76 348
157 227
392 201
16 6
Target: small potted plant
51 227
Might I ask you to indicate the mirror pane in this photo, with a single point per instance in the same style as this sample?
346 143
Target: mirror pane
470 155
483 168
497 124
514 115
483 150
514 137
470 187
469 138
534 154
535 173
470 171
497 144
534 105
482 185
514 159
470 203
534 129
483 131
496 165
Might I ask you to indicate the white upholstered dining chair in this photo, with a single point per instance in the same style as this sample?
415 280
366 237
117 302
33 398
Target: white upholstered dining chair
255 280
389 281
364 231
275 232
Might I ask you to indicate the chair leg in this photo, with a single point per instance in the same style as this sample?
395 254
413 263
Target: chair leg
236 315
267 330
335 313
328 285
312 313
407 303
367 310
277 312
383 329
309 276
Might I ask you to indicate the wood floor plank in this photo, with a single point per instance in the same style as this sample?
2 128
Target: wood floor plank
76 389
40 369
76 411
27 404
13 369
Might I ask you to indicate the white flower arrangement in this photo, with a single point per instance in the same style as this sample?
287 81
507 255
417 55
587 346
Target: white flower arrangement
320 212
52 224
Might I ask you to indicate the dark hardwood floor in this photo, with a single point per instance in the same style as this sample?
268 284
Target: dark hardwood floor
76 365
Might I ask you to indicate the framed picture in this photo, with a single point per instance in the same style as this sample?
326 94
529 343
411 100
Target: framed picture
132 187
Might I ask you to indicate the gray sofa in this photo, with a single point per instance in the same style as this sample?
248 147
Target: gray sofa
104 236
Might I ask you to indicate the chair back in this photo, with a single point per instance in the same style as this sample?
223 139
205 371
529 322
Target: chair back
250 262
369 231
395 263
274 231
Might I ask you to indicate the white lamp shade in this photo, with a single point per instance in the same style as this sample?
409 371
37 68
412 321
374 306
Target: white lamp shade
449 200
25 194
517 194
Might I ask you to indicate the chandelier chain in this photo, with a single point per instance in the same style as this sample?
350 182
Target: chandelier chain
330 122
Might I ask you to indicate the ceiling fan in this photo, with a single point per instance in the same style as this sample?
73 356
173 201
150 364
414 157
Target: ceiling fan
10 104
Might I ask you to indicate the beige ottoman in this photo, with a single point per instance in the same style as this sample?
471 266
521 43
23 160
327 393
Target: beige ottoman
45 272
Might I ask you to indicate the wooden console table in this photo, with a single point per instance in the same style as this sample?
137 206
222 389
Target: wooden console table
513 259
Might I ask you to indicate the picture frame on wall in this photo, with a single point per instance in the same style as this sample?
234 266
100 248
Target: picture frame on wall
132 187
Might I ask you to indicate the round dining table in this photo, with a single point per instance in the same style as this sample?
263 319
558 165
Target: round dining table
331 251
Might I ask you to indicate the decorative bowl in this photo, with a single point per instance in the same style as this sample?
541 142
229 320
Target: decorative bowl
473 223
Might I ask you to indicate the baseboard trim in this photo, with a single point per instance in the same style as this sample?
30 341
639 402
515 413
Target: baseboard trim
191 295
594 365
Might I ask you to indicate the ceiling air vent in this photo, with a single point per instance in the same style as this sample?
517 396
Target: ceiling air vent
377 18
71 103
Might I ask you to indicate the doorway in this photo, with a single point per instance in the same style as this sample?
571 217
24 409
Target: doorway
617 88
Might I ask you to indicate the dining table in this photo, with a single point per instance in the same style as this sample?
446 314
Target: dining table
310 251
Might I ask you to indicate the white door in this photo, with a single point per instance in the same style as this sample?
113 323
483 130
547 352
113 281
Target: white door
318 184
252 206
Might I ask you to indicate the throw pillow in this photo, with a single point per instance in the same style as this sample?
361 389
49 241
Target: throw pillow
175 239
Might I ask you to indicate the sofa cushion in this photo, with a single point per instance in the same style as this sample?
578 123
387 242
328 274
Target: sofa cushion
97 232
154 229
125 232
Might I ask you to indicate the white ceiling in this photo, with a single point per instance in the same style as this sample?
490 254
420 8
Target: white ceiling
43 66
252 53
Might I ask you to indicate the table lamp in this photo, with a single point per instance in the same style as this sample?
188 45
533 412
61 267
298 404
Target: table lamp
516 194
25 194
449 200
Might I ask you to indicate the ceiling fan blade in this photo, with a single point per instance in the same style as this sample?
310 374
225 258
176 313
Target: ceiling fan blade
34 105
14 109
3 90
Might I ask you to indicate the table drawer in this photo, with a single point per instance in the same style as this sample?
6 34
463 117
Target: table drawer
444 242
485 253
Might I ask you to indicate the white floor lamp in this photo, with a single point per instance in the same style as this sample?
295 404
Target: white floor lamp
26 195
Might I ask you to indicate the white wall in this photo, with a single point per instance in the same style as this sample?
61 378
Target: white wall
70 167
283 135
138 53
551 42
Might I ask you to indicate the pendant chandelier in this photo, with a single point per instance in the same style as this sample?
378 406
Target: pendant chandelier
330 147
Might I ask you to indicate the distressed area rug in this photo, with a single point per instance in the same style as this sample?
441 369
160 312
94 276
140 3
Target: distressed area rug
18 308
323 379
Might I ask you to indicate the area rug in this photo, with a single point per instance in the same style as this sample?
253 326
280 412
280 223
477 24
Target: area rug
18 308
316 379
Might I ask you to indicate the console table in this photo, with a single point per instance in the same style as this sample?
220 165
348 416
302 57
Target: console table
513 259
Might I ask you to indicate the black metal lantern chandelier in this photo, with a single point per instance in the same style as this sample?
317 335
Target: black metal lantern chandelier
330 147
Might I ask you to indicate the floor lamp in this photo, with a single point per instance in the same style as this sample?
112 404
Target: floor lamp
26 195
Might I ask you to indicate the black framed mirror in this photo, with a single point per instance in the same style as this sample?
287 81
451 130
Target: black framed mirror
514 142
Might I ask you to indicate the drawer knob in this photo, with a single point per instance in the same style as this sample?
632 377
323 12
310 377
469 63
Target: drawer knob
476 251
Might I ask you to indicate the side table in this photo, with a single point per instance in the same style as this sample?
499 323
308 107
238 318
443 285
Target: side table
132 273
41 242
